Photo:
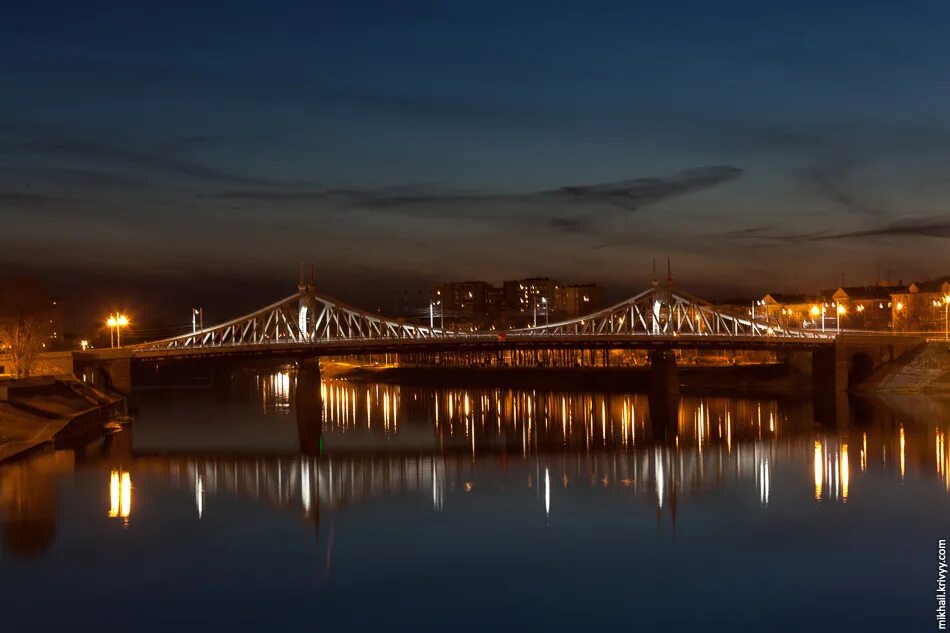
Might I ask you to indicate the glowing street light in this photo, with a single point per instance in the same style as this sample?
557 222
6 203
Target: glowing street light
946 323
839 310
116 322
432 305
816 311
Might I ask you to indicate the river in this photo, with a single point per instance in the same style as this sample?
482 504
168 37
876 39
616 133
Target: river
380 506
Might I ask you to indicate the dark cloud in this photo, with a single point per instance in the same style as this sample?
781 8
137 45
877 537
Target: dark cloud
268 196
21 200
753 231
629 195
165 163
634 194
938 226
835 182
587 202
157 78
571 225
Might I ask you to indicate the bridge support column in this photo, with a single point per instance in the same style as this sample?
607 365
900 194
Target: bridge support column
829 376
113 373
664 376
664 394
309 406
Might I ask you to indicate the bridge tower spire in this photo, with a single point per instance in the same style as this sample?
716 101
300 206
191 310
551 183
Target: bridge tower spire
669 272
306 305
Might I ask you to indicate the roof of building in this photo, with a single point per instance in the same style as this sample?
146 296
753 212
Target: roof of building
932 285
736 301
873 293
787 299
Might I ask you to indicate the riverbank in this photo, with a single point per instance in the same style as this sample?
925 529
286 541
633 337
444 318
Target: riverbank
51 410
774 379
925 370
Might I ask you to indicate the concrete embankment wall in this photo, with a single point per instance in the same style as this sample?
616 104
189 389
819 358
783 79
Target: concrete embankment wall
924 370
44 410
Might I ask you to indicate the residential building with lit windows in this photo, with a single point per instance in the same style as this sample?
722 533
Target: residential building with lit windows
530 300
922 306
460 302
864 307
577 300
788 311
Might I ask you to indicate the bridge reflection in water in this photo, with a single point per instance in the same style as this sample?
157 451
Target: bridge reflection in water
361 442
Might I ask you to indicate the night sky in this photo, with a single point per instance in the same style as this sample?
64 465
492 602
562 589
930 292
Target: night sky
161 156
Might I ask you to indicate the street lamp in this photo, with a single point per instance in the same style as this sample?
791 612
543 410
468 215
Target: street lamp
840 310
116 322
946 323
432 305
816 311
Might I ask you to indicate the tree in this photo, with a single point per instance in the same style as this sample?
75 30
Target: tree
24 321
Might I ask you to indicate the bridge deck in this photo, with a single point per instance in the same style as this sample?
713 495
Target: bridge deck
486 343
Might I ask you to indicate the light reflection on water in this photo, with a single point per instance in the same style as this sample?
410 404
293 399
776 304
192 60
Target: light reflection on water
443 453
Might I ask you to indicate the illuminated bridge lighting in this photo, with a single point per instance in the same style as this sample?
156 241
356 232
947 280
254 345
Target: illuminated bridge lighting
120 495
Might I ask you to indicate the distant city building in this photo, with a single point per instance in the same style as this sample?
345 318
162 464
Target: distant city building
737 306
460 303
516 303
577 300
921 306
790 311
865 307
850 307
530 300
55 324
495 304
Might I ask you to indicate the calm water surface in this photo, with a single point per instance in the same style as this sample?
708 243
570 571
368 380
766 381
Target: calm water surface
399 508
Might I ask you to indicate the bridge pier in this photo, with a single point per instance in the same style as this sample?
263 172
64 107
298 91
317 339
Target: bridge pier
829 378
664 375
110 372
664 395
309 407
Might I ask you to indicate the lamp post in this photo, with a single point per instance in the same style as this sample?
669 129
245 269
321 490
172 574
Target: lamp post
816 312
120 322
116 322
432 305
111 322
839 309
946 323
544 302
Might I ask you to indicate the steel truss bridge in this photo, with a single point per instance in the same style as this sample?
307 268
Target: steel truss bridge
306 322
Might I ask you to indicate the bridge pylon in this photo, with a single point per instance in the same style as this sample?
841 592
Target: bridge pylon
307 304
